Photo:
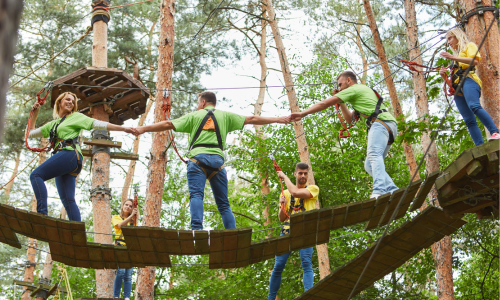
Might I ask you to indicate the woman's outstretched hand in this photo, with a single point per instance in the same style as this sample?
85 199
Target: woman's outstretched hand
442 71
446 55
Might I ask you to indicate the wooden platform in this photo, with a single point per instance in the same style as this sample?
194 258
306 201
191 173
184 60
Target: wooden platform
470 184
395 249
130 94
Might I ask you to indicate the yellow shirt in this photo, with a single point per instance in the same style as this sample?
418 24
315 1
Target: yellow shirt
309 203
469 51
118 231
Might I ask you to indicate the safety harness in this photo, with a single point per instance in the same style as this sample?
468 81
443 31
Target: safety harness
369 119
209 122
54 139
292 210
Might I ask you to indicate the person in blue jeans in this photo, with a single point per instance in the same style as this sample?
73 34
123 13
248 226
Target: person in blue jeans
297 198
66 163
208 128
467 100
128 216
381 133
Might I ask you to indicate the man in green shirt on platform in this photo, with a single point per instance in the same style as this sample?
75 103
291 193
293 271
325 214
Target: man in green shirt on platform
382 126
208 128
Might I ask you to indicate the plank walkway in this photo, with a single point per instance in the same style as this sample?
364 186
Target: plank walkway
395 249
472 178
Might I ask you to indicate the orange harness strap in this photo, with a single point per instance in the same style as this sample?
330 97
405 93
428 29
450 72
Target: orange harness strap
41 100
166 107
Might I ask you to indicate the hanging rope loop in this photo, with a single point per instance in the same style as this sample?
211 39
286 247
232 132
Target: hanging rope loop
166 107
411 65
345 128
41 96
278 169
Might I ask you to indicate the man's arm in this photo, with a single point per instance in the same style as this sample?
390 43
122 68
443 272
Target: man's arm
160 126
322 105
258 120
294 190
346 113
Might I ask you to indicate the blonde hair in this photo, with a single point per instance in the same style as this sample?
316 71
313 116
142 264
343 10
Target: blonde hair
55 113
123 204
461 37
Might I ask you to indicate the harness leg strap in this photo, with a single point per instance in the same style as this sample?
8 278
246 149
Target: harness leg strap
205 167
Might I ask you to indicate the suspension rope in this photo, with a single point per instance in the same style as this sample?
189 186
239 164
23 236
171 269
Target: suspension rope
40 100
166 108
434 135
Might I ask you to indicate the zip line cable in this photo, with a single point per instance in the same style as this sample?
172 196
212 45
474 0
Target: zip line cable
398 56
435 133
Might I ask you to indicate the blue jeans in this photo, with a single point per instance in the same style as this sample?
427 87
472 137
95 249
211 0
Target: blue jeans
196 183
279 266
123 276
469 107
377 150
58 166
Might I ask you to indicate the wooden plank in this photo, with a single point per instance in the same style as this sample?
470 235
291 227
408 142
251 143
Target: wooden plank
215 260
257 251
130 237
163 260
352 213
405 203
172 240
474 168
458 210
216 240
186 240
136 258
283 245
488 183
101 142
425 188
378 211
325 219
145 242
492 164
82 253
24 222
366 213
296 224
114 155
201 242
338 216
391 207
456 169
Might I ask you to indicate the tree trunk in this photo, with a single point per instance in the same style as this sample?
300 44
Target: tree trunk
410 157
442 251
135 150
10 15
322 250
158 161
8 188
31 252
489 67
100 169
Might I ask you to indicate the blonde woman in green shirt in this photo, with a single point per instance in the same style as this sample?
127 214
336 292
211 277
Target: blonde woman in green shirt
65 164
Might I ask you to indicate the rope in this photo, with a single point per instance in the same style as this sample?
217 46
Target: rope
278 169
136 203
89 29
3 186
113 7
345 128
166 108
411 65
420 164
40 100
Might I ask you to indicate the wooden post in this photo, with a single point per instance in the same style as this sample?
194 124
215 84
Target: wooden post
322 250
100 194
442 250
158 161
10 11
410 157
489 67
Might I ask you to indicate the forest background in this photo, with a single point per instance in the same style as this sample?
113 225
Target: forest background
322 39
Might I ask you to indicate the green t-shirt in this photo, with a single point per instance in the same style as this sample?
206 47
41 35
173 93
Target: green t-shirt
70 128
364 100
189 123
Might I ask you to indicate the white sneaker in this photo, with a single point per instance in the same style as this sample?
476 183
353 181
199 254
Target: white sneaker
374 195
127 298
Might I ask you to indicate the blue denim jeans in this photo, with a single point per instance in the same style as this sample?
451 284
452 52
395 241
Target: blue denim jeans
58 166
377 150
123 276
469 107
279 266
196 183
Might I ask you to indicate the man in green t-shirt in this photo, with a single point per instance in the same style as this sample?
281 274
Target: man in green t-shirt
381 131
208 128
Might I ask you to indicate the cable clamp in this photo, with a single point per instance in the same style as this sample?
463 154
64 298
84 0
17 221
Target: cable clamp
100 189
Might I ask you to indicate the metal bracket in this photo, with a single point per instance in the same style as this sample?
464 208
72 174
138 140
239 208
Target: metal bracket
480 9
30 264
100 190
103 135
